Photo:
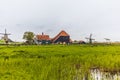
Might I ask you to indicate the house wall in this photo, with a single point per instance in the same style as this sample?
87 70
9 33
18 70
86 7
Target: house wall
62 39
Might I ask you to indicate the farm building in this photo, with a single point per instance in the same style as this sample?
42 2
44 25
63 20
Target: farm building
42 39
62 37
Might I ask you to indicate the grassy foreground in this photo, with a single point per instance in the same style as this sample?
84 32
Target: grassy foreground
56 62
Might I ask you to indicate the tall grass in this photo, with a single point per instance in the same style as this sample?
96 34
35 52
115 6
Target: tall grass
56 62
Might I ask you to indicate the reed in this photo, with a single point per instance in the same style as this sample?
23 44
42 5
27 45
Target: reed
57 62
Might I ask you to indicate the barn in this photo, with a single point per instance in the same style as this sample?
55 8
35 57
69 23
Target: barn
62 37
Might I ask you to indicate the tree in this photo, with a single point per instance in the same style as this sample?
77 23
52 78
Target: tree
28 36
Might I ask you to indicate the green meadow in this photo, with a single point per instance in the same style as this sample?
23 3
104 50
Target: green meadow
56 62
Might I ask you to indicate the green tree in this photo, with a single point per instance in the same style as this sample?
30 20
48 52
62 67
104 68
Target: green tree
28 36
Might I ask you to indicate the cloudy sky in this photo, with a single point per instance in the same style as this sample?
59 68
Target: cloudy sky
77 17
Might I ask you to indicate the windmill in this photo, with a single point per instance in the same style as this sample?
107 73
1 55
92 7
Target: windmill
5 37
90 39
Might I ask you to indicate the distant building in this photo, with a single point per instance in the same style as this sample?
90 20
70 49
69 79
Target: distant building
82 42
42 39
62 37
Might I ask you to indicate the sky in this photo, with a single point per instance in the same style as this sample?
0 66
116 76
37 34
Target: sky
79 18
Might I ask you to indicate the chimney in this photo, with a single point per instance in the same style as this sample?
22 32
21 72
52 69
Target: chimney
42 33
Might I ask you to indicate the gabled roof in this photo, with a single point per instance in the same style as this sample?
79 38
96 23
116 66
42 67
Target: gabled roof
42 37
62 33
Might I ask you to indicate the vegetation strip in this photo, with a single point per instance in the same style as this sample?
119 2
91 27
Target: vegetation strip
57 62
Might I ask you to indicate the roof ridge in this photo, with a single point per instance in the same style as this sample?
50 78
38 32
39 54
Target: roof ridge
61 33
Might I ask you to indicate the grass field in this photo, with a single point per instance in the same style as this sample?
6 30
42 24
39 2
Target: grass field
56 62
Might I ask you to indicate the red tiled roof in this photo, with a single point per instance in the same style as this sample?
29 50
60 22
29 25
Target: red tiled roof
42 37
62 33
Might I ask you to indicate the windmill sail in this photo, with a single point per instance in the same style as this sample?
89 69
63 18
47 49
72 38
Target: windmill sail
90 39
5 37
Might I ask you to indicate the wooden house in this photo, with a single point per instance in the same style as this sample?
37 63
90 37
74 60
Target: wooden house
62 37
42 39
